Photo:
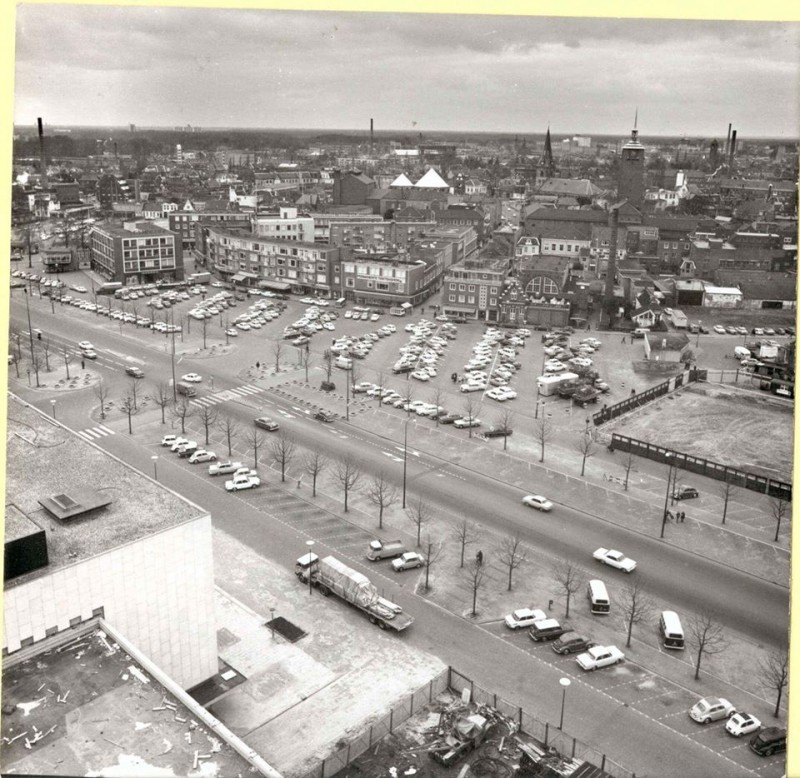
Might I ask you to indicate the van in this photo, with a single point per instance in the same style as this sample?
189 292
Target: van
671 630
345 363
185 389
740 352
597 593
340 303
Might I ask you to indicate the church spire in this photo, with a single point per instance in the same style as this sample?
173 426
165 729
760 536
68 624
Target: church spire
635 131
547 163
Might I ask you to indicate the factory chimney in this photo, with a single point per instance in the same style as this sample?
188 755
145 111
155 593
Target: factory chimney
728 140
732 150
42 158
371 135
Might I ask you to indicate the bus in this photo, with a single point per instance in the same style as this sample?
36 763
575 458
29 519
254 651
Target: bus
110 287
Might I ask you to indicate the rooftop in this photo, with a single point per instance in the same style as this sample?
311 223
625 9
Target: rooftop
87 707
139 506
133 229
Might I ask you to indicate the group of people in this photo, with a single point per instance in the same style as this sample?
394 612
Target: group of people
679 517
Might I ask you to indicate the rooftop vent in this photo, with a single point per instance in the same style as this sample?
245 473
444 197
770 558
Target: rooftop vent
76 503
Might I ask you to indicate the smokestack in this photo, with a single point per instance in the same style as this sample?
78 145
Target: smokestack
733 149
728 139
371 134
42 158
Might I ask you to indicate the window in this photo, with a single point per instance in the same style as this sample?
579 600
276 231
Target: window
461 298
451 298
492 301
349 282
471 288
462 287
471 299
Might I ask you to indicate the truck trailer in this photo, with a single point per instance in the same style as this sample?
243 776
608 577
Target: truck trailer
331 576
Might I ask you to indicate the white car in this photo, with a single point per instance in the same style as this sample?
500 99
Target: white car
600 656
223 468
192 378
168 440
742 724
177 443
614 558
408 561
466 422
201 455
85 345
232 333
473 387
240 482
420 375
363 387
428 409
537 501
524 617
501 394
711 709
719 329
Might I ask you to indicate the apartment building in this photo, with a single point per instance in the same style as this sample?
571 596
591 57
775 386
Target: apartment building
286 225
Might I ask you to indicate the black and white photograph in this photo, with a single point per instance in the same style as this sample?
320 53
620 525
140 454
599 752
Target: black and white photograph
398 393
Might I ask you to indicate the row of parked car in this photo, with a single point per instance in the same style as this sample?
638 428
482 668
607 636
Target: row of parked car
242 477
730 329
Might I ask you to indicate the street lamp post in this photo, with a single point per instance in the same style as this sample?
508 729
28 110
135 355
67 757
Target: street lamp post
666 497
405 459
155 466
565 682
697 340
310 544
53 406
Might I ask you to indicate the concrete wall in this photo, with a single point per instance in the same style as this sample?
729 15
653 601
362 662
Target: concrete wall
157 591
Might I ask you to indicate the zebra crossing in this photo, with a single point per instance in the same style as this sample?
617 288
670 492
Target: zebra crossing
238 393
94 433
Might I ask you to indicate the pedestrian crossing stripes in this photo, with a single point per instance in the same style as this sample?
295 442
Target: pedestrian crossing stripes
93 433
228 394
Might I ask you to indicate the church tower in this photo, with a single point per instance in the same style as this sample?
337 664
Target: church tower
548 164
631 170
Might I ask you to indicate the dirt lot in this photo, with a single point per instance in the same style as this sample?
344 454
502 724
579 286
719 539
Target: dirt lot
736 427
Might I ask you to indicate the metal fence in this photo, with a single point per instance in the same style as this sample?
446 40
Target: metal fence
456 682
757 483
642 398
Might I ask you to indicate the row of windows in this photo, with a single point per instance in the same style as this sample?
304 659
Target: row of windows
469 299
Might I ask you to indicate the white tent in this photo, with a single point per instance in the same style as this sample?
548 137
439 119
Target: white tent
432 180
401 180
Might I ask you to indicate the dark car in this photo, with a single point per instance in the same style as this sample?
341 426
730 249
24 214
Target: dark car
549 629
449 418
324 416
685 493
135 372
497 432
789 330
771 740
440 414
266 423
703 329
572 644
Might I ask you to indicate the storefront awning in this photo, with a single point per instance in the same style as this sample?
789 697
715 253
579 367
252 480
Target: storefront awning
278 286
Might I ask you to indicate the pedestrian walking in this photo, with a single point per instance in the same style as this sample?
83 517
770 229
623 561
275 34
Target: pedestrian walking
479 558
623 338
683 516
299 481
83 365
258 366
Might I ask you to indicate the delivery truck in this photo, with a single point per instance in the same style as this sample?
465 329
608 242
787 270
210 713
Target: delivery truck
331 576
385 549
548 384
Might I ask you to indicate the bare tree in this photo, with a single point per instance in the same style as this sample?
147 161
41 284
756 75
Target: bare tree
36 364
162 397
627 464
46 346
183 410
229 428
381 386
513 555
420 514
315 462
431 558
305 359
504 421
586 448
569 579
707 637
348 473
254 440
65 353
775 675
127 406
208 415
473 577
543 431
327 364
101 393
436 399
16 337
382 494
779 508
283 449
277 351
470 407
466 533
204 324
636 606
727 491
134 392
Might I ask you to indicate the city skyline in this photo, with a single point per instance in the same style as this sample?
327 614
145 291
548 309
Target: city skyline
296 70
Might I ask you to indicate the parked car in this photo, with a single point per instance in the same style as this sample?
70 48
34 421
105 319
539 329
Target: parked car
465 422
449 418
614 558
223 468
537 501
134 372
169 440
266 423
241 482
711 709
187 449
84 345
769 741
685 493
408 561
600 656
497 432
180 443
324 416
192 378
742 724
547 629
201 455
524 617
572 644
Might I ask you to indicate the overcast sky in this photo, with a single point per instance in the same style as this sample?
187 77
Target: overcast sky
95 65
